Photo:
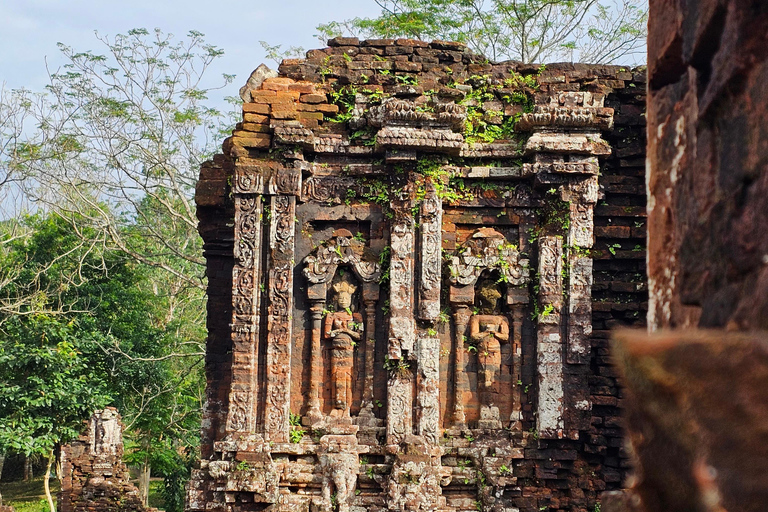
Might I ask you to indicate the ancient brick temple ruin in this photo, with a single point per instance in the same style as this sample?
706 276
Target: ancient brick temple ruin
414 258
94 477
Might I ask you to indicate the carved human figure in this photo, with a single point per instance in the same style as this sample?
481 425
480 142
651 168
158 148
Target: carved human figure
488 330
343 328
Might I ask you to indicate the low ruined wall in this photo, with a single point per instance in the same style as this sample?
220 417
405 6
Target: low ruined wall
94 476
456 179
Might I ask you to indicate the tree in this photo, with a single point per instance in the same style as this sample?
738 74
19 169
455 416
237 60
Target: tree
112 347
118 139
47 386
112 150
596 31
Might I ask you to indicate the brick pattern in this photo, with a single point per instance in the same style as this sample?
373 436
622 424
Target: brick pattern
334 148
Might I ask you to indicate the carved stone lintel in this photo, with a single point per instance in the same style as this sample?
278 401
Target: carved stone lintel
268 178
441 140
341 249
567 118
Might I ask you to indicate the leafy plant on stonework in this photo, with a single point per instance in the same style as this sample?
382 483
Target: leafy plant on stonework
344 98
296 435
399 367
276 53
484 125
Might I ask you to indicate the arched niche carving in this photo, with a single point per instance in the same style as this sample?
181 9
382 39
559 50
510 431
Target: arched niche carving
323 269
342 248
486 249
487 253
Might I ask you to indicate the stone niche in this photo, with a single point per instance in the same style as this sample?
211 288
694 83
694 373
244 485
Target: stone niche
399 239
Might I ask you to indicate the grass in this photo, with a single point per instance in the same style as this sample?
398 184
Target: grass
28 496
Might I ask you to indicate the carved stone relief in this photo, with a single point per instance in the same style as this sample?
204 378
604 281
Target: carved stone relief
439 379
342 268
486 253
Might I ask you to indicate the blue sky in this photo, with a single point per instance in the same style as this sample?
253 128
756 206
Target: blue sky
30 29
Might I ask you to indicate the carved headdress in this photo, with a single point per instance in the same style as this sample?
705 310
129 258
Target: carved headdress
345 285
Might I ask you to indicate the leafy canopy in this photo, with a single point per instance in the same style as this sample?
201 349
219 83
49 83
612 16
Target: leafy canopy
596 31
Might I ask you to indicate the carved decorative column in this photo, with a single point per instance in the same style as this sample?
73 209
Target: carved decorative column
370 353
461 314
402 328
517 299
549 353
566 143
246 277
428 389
430 225
279 321
314 414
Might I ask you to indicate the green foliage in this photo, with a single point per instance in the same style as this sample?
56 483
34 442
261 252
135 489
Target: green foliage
104 346
486 125
399 367
48 388
296 435
525 30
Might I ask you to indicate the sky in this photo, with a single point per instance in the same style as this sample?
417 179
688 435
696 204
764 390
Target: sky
30 29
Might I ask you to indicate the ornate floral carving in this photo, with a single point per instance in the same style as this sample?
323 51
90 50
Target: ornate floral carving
280 287
431 256
239 403
399 404
247 228
428 393
401 286
327 189
488 249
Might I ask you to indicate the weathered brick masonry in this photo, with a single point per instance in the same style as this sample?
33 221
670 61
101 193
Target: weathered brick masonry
697 401
414 258
94 476
707 161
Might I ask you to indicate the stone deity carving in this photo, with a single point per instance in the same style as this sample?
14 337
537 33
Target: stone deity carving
487 330
343 328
